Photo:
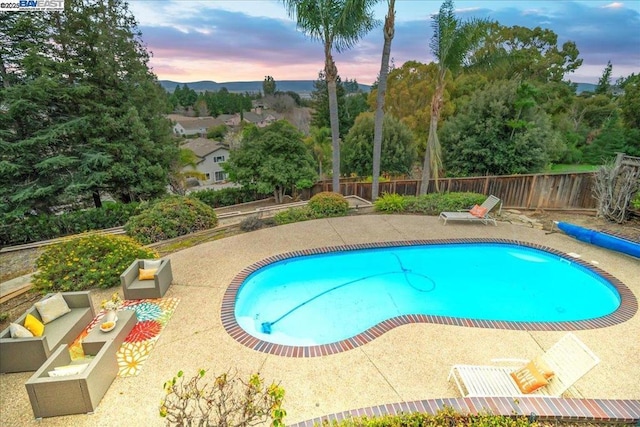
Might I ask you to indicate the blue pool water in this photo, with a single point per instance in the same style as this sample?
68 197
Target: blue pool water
325 298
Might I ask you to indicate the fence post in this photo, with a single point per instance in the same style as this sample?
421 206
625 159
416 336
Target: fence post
530 195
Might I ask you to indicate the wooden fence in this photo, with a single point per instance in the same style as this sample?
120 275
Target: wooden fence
558 191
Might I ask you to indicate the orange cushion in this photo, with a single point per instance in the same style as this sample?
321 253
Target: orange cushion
543 367
529 379
478 211
146 274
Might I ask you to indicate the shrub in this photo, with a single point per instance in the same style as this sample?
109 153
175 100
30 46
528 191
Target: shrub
251 223
44 227
86 262
171 217
434 203
226 196
390 202
294 215
226 401
328 204
635 202
446 417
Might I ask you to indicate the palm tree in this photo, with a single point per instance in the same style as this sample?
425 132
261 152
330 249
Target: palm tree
338 24
452 42
389 30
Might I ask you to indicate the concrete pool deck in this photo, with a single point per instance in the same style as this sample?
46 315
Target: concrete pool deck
407 363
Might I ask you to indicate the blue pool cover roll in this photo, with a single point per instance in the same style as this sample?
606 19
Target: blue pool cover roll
601 239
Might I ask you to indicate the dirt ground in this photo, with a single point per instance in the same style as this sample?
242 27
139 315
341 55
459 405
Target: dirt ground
23 262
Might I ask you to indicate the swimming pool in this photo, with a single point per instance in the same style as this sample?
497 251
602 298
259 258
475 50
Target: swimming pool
341 294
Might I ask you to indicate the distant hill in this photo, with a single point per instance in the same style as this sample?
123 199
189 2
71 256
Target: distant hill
298 86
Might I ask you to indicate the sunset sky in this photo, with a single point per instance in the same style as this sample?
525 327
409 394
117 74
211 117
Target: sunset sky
246 40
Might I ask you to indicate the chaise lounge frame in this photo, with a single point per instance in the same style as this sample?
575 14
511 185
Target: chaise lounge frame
490 203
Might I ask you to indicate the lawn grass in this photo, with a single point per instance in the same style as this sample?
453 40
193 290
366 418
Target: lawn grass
562 168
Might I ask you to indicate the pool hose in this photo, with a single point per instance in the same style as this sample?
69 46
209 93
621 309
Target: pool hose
266 326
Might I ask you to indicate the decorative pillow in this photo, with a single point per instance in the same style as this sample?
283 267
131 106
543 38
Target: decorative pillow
146 274
529 379
34 326
19 331
478 211
151 264
52 308
543 367
63 371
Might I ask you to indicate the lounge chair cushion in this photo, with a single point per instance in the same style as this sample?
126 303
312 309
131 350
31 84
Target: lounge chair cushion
52 308
19 331
146 274
478 211
529 378
34 326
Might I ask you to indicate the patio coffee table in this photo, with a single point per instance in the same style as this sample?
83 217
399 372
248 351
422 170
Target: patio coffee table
126 321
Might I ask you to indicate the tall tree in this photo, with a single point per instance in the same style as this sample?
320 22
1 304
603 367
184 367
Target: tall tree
338 24
271 159
398 147
85 115
269 86
604 82
453 40
389 31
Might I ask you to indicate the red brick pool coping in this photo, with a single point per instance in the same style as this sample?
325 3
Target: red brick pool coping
627 309
538 408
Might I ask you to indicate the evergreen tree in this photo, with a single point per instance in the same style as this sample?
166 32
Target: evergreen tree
604 82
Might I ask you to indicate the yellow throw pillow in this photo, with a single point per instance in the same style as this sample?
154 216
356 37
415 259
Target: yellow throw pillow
35 326
529 379
146 274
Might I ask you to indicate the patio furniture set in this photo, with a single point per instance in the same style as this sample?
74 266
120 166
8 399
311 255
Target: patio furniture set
60 385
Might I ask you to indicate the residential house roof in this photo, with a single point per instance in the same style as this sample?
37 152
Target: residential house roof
202 147
197 123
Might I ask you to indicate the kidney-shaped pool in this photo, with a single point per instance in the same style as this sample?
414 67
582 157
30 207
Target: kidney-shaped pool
315 299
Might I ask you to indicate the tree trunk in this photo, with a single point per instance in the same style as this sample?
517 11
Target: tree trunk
97 201
432 159
389 29
331 75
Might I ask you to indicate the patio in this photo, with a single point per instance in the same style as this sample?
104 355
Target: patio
405 364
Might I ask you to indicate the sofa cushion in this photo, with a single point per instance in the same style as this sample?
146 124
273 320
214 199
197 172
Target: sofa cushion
52 308
19 331
57 331
144 274
35 326
151 264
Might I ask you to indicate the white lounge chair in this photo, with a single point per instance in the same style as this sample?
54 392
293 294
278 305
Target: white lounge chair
489 204
569 359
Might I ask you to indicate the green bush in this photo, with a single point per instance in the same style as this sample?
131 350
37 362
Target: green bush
434 203
294 215
635 202
328 204
226 196
45 227
443 418
251 223
86 262
390 202
171 217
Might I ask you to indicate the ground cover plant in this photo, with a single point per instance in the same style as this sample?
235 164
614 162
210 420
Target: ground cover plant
86 262
171 217
448 417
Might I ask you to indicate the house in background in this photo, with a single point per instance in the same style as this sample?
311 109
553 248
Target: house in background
187 126
211 155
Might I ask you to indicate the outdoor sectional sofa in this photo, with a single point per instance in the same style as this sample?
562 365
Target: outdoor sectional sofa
29 354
